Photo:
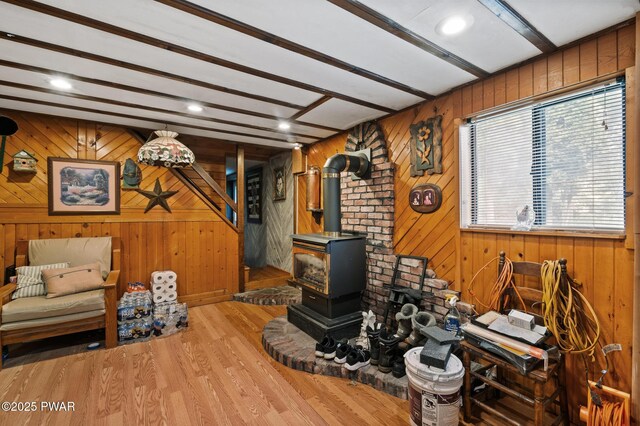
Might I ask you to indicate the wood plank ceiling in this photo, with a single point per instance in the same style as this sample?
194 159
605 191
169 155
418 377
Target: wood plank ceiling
322 66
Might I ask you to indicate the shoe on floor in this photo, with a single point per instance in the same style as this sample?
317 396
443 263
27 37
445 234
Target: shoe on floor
357 358
388 347
373 333
399 369
341 353
331 347
321 348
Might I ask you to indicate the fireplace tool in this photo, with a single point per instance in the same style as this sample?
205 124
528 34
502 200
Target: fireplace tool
399 295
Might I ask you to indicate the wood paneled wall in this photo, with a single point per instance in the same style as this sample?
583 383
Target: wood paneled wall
603 265
193 240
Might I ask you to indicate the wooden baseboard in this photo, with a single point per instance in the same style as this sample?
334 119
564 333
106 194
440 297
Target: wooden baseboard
205 298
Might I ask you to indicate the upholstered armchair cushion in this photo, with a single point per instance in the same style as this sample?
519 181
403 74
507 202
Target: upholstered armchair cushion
31 308
76 251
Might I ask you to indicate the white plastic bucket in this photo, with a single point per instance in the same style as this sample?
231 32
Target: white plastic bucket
434 394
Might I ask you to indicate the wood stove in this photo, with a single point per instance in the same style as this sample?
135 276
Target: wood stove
330 267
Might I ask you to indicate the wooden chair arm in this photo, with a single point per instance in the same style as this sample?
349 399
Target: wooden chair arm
110 316
5 291
112 279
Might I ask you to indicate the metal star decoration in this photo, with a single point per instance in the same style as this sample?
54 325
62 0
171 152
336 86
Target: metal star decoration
157 197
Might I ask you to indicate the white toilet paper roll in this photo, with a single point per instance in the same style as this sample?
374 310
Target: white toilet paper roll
158 277
160 287
171 296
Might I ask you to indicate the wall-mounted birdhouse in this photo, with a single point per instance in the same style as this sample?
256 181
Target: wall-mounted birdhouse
24 162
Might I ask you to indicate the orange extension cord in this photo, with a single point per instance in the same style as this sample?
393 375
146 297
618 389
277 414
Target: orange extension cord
609 414
568 315
500 286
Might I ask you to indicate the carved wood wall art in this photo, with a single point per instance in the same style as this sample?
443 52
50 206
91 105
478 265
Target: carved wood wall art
425 198
426 146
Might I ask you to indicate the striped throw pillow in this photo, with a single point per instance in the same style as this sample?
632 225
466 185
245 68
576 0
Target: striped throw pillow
30 282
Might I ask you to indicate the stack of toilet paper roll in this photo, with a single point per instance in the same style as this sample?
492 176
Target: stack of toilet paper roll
163 286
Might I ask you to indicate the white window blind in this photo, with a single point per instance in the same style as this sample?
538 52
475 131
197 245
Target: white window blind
564 157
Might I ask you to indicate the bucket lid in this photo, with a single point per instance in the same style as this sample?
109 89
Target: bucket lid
454 370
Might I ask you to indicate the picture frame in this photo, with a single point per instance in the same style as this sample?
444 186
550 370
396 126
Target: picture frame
83 187
279 184
425 198
426 147
254 195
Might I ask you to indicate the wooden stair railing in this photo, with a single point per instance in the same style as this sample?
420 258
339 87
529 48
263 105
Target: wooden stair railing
206 177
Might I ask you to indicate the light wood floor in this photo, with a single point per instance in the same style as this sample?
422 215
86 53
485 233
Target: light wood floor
214 373
266 277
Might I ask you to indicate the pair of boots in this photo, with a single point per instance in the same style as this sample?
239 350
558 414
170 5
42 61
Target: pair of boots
411 324
385 352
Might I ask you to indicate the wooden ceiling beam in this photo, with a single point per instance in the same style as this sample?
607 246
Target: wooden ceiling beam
180 50
511 17
257 152
244 28
152 109
139 68
140 90
389 25
310 107
130 116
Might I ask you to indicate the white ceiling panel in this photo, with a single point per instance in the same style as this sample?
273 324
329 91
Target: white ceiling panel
320 27
42 58
147 115
171 106
32 24
488 42
125 122
335 32
176 27
341 114
568 20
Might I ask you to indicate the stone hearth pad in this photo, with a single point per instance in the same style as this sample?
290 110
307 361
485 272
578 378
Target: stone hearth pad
292 347
283 295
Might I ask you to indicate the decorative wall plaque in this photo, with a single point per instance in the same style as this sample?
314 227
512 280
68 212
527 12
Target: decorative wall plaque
425 198
426 146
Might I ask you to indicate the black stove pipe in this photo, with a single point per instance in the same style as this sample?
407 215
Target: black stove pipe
357 164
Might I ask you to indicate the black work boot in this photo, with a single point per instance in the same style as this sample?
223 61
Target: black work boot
374 346
399 369
388 349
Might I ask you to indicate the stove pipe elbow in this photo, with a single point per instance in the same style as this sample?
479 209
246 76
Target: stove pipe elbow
358 164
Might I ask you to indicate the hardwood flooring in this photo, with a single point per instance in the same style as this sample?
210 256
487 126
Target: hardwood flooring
214 373
266 277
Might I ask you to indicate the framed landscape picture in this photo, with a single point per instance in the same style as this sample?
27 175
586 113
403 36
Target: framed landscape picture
82 187
254 195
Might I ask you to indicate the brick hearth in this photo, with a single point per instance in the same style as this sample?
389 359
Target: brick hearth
294 348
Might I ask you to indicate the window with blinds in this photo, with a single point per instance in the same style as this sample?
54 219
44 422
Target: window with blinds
564 157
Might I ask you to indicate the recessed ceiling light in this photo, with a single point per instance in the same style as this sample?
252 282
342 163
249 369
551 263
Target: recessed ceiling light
452 25
297 145
283 125
194 108
60 83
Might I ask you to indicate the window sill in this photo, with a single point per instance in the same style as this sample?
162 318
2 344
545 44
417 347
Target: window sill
549 233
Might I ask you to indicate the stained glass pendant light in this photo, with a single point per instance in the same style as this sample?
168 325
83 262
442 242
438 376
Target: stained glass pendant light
165 151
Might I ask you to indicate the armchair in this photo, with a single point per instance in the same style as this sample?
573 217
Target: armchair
33 318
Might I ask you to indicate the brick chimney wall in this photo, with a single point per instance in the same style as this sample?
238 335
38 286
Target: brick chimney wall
368 207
